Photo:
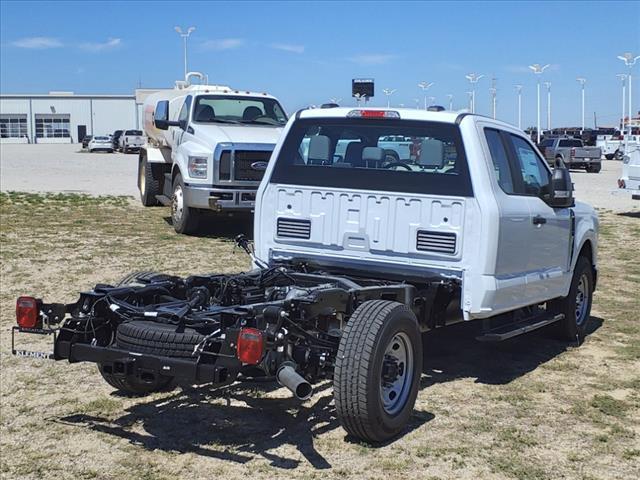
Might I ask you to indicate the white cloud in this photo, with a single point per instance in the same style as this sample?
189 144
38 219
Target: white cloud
110 44
37 43
372 58
288 47
223 44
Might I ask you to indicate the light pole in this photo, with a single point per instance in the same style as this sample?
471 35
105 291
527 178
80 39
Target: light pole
470 100
582 81
388 92
537 70
184 36
548 85
473 79
450 97
629 60
519 90
623 77
359 97
432 100
417 100
425 86
493 92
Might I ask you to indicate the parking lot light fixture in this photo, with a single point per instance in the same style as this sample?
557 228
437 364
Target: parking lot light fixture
582 81
185 36
538 70
425 86
388 92
629 60
473 79
450 97
335 100
623 79
519 90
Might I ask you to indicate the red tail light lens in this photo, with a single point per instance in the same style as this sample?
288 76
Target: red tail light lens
27 312
250 346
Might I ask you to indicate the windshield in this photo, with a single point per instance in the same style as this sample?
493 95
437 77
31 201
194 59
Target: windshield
133 132
238 110
386 155
570 143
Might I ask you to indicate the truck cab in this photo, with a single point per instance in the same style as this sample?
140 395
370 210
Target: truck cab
208 148
472 202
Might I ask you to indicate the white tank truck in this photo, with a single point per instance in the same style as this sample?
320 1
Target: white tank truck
207 149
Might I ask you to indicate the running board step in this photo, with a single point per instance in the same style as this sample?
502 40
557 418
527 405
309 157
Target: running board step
511 330
163 199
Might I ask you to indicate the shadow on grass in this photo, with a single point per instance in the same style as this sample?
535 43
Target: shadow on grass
212 226
634 214
452 352
195 420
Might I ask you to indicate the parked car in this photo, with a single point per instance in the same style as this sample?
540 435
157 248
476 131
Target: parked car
131 141
354 258
572 152
86 140
100 144
630 178
115 139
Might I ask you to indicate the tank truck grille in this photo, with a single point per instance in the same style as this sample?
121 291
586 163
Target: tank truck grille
250 164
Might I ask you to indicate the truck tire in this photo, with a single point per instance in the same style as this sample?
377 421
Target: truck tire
139 279
609 156
377 371
141 336
618 155
576 306
594 168
148 183
185 219
124 150
134 386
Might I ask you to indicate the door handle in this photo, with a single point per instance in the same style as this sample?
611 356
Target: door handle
539 220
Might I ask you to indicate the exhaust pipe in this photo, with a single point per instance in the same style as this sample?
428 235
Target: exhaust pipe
288 377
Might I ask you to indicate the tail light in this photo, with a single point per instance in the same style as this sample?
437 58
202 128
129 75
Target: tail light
621 183
250 346
373 114
573 152
27 314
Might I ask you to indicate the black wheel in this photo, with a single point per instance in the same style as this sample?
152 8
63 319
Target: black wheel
124 149
377 371
576 306
609 156
185 219
148 183
618 155
594 168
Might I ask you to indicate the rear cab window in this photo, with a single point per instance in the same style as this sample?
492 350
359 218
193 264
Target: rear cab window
375 154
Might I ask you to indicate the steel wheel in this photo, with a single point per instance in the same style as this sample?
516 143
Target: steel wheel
177 204
582 299
397 373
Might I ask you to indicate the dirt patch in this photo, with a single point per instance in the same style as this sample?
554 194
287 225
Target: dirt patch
532 408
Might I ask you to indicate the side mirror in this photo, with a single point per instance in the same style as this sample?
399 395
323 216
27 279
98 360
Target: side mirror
161 116
561 187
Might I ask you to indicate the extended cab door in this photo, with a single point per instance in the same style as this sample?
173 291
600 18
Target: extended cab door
549 230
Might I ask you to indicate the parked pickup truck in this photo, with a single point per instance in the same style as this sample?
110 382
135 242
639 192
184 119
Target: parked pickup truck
629 181
611 146
354 258
573 153
131 141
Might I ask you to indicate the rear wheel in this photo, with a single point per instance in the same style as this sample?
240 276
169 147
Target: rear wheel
148 183
618 155
576 306
377 371
609 156
185 219
594 168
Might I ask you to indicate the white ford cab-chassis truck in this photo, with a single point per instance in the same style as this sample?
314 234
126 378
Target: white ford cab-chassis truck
208 147
358 250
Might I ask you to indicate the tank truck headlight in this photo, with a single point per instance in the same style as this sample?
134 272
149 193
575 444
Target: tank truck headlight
198 167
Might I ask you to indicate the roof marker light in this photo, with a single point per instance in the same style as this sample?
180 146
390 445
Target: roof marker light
373 114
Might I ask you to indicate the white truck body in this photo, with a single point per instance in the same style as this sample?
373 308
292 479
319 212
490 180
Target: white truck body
504 257
630 179
219 156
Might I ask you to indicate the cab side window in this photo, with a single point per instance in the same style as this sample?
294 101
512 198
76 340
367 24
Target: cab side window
535 176
500 160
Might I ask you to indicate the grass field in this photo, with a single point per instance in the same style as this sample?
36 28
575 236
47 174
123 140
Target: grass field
532 408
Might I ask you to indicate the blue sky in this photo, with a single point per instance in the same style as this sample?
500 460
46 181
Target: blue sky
307 52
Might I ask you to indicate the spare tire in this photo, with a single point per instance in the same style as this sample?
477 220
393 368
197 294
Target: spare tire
160 339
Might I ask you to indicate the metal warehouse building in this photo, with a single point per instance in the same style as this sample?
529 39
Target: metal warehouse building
64 117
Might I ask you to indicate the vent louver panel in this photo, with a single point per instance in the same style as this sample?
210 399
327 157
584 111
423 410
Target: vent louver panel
438 242
294 228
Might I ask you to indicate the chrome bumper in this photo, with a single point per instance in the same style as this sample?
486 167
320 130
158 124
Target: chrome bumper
220 199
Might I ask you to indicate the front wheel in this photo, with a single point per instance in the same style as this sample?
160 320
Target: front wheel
618 155
185 219
377 371
576 306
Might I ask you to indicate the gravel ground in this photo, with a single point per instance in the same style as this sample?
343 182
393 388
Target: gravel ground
65 168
